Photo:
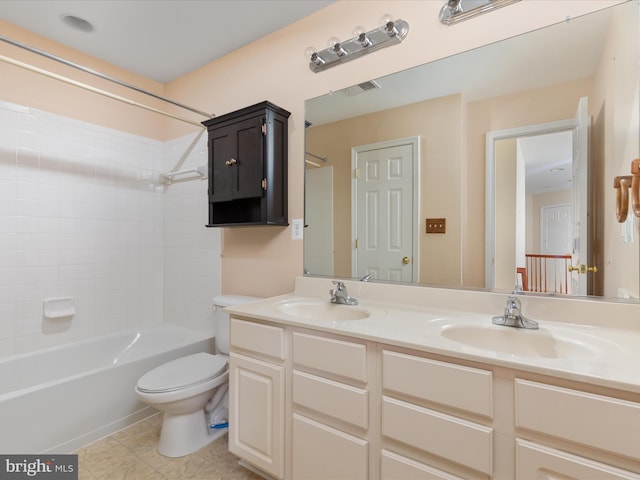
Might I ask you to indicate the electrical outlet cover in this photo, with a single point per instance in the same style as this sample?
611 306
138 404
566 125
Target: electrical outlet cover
297 227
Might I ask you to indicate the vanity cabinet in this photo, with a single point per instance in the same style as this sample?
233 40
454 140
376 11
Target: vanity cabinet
307 404
330 408
248 166
257 394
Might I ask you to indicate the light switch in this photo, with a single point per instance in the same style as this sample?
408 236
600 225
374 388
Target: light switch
436 225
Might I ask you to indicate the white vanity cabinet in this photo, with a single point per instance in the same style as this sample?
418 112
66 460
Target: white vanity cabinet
330 408
310 404
436 419
257 395
574 433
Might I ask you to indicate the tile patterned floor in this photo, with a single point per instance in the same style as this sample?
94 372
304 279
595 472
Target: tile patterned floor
130 454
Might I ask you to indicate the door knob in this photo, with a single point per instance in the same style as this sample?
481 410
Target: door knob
582 268
231 162
406 260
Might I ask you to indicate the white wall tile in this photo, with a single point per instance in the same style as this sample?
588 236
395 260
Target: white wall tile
81 216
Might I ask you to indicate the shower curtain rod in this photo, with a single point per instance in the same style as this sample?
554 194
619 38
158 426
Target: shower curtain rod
113 96
101 75
324 159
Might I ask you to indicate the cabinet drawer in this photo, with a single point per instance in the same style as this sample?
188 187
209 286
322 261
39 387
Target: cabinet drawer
595 420
258 338
328 355
458 440
457 386
343 402
544 463
396 467
324 453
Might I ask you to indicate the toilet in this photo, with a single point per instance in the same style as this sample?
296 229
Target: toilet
192 389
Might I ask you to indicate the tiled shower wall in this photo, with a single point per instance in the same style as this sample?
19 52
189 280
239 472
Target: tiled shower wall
191 251
82 215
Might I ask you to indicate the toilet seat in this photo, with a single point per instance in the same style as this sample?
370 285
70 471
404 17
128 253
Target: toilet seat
183 373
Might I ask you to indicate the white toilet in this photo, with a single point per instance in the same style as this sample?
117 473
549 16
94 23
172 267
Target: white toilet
183 387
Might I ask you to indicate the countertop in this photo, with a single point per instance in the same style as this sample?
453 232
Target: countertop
608 356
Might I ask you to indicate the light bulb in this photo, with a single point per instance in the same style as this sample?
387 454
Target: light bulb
385 19
361 36
357 31
312 55
332 42
335 47
309 51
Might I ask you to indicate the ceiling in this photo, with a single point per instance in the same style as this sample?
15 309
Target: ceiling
158 39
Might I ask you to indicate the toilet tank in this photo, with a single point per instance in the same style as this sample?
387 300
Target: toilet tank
221 318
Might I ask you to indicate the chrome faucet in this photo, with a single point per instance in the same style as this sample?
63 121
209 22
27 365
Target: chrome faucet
340 295
513 316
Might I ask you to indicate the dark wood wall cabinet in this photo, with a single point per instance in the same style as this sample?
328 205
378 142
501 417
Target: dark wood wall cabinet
248 167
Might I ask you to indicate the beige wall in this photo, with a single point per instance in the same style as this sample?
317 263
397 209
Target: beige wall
438 124
265 261
505 214
614 149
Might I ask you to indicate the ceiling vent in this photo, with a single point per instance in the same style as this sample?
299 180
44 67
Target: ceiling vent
360 88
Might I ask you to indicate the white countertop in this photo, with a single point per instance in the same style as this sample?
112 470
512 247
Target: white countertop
606 355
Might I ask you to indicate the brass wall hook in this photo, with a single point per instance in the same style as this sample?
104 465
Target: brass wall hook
635 186
622 185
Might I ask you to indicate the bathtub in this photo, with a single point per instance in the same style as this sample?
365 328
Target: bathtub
60 399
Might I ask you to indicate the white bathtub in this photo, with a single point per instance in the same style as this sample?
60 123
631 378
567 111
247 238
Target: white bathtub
61 398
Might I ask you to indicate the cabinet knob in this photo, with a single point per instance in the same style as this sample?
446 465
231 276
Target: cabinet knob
230 163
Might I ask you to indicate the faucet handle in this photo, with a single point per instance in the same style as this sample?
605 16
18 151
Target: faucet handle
340 286
514 306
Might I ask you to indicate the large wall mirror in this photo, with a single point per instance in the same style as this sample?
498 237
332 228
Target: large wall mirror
467 171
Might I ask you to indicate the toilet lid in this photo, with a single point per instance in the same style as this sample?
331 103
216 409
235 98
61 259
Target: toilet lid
183 372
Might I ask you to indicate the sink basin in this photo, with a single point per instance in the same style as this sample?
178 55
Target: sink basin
322 311
521 342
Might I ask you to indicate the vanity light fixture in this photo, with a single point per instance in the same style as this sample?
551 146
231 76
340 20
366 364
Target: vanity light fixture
455 11
390 33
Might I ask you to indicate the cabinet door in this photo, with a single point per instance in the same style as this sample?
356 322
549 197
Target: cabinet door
256 413
236 160
324 453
